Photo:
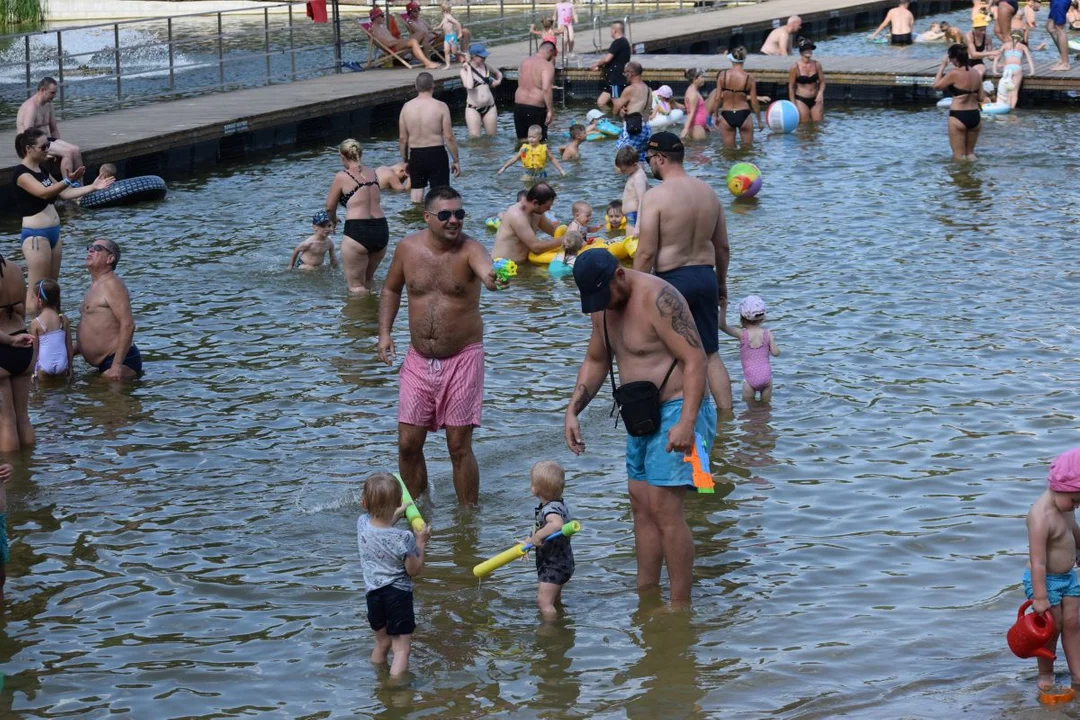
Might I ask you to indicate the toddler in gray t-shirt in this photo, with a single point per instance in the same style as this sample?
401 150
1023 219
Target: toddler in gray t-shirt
389 558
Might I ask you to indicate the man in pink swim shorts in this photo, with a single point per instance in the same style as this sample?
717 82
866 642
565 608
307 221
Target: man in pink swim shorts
442 378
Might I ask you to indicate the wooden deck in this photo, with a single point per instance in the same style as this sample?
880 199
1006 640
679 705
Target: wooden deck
839 70
179 124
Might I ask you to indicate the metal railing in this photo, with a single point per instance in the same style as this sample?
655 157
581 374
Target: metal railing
106 66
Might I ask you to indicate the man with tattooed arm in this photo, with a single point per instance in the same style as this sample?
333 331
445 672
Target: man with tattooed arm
683 237
645 325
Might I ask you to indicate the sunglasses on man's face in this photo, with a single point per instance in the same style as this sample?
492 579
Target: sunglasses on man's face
444 215
95 248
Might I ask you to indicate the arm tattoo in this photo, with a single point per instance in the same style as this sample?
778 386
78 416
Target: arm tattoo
671 305
581 398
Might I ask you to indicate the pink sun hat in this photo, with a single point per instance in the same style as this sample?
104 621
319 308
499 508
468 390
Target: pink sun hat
1064 473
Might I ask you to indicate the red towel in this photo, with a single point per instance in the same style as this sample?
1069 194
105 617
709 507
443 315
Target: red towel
316 10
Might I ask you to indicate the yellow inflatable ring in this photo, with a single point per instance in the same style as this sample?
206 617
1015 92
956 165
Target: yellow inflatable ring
560 231
543 258
618 249
630 244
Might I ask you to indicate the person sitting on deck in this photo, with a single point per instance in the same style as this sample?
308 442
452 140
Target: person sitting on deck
383 35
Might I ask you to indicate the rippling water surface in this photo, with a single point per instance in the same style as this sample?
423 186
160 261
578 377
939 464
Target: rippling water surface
185 546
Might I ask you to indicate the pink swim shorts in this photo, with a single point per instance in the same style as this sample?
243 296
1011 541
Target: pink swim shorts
442 392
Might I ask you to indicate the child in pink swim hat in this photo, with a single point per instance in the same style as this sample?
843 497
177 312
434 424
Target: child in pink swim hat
756 344
1050 581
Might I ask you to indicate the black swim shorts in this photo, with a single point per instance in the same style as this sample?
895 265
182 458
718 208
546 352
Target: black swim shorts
525 116
429 166
698 284
133 360
391 608
904 39
372 233
555 561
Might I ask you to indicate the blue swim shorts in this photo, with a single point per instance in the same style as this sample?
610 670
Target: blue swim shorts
1057 586
1059 10
647 457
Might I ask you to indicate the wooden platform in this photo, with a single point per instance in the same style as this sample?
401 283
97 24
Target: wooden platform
176 125
839 70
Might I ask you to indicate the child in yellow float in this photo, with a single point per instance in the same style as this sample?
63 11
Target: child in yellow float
534 158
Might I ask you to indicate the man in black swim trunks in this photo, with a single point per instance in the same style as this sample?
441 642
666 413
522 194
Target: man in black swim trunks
614 62
106 326
900 22
683 237
534 97
424 136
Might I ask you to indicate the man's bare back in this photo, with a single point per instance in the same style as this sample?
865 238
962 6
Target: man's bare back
901 21
444 294
423 118
98 325
687 210
517 236
531 80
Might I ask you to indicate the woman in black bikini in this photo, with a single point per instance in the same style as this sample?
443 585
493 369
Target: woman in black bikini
478 80
968 95
16 361
366 232
734 97
806 84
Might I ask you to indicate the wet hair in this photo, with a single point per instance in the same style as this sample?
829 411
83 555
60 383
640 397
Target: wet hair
739 53
959 53
350 150
577 130
425 82
627 156
549 478
114 251
580 206
693 74
536 130
615 205
443 192
107 169
634 68
572 242
27 138
540 193
46 82
48 291
382 495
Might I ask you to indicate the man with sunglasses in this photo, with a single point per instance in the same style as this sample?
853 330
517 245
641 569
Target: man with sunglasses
442 376
682 236
37 112
516 237
106 326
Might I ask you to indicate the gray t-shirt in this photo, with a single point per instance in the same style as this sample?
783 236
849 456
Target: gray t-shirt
382 554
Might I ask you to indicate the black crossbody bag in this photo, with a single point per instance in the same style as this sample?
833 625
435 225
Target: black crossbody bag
637 402
635 122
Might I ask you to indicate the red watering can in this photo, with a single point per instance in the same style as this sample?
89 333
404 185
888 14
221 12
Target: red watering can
1028 637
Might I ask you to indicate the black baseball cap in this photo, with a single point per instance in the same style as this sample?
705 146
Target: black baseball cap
665 142
593 271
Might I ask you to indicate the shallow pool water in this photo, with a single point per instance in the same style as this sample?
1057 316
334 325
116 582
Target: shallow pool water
185 547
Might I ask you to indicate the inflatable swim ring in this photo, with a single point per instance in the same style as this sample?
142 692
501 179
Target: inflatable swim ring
558 268
607 127
544 258
945 103
998 108
662 121
492 223
617 247
125 192
878 40
630 244
1074 44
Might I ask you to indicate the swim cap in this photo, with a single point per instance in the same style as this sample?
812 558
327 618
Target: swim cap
1064 476
752 307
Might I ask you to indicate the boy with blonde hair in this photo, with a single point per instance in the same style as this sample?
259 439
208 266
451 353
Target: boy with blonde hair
554 559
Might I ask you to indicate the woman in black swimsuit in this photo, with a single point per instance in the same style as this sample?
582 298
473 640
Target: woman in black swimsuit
968 95
367 234
806 84
478 80
16 361
979 46
734 98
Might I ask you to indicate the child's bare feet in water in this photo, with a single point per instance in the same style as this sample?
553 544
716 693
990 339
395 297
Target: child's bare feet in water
1046 681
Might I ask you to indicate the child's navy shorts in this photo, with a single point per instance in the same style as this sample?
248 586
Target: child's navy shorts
391 608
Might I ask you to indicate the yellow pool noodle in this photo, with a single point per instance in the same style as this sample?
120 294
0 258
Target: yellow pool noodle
411 513
499 560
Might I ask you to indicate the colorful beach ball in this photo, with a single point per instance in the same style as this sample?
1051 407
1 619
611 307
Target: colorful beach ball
744 179
782 116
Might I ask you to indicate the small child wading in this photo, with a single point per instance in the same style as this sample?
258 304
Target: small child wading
1050 580
310 254
390 558
451 30
52 331
756 344
554 559
534 158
